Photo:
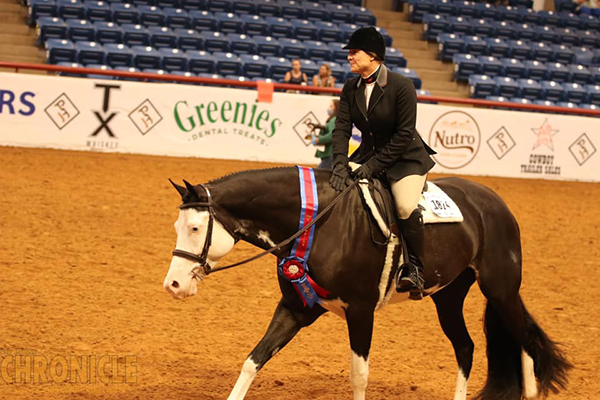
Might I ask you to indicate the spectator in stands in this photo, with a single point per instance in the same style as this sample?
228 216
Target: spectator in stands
324 78
325 135
383 105
296 75
583 4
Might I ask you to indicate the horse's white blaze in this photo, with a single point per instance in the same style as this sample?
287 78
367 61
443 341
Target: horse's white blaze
336 306
191 228
249 371
359 375
461 386
530 389
266 237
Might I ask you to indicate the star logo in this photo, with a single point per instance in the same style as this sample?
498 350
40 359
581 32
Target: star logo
544 135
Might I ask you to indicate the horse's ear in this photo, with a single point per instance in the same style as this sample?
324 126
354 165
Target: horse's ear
190 188
180 189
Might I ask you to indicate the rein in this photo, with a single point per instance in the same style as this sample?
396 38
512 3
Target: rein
201 259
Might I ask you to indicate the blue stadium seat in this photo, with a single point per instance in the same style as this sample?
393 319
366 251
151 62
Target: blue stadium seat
448 45
588 38
254 66
347 31
328 31
97 11
242 44
227 63
168 3
546 103
529 89
500 99
595 74
41 8
423 92
446 7
486 10
254 25
315 11
188 39
509 13
202 20
497 47
243 7
309 67
303 29
291 9
590 22
155 72
481 86
338 53
570 20
583 55
60 50
212 76
89 52
520 100
529 16
339 13
174 59
590 106
220 5
393 57
293 48
240 79
151 16
99 76
279 66
280 27
362 16
186 74
117 55
465 65
200 62
558 72
549 18
519 49
552 91
135 35
433 25
506 86
483 27
229 23
418 8
143 2
546 34
564 5
70 9
337 71
107 32
386 36
146 57
580 74
70 65
504 29
267 8
317 50
525 32
215 41
124 13
268 46
177 18
474 45
460 25
490 65
513 68
567 36
80 29
563 54
410 74
574 92
162 36
593 94
542 52
50 28
535 70
566 104
127 69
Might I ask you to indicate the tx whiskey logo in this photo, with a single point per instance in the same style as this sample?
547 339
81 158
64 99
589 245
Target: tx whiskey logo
105 117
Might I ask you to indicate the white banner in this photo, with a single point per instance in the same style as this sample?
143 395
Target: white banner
200 121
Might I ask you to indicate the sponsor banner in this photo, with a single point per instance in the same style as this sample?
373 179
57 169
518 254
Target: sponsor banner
199 121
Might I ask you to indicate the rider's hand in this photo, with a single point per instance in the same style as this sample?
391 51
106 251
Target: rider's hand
340 177
363 172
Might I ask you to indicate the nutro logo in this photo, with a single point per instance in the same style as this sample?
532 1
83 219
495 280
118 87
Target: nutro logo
456 138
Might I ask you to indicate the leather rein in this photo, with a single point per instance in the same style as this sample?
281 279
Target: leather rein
201 258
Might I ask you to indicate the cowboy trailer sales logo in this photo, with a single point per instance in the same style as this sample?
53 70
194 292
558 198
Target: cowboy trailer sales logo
542 164
456 138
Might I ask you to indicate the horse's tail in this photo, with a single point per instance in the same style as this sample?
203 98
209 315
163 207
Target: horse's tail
504 351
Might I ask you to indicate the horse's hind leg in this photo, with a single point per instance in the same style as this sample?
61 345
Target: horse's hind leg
449 303
284 325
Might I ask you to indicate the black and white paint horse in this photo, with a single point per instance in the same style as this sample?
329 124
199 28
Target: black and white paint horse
262 207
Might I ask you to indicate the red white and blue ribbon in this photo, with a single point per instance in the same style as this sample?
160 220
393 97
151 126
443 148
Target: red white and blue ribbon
294 268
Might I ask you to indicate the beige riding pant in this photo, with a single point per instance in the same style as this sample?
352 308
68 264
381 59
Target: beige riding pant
407 192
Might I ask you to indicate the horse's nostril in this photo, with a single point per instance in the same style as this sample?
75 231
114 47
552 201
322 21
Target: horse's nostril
175 284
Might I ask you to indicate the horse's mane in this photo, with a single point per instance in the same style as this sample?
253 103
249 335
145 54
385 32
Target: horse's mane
244 172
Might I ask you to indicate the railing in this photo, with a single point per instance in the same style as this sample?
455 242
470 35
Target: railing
144 76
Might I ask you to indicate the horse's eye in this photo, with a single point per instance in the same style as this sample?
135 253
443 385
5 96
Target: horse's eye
195 229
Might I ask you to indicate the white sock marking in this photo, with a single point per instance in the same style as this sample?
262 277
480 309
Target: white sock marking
359 376
530 389
461 386
249 371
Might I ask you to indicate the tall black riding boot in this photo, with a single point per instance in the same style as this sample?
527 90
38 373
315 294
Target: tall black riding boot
411 278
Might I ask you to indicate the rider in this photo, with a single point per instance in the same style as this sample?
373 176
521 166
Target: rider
383 106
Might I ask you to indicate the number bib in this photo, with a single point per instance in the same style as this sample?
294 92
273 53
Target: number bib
442 205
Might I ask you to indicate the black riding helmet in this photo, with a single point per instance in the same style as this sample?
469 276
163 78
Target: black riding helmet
368 40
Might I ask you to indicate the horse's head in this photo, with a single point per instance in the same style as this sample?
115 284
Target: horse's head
201 241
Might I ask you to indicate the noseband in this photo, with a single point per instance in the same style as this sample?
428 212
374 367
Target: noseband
200 259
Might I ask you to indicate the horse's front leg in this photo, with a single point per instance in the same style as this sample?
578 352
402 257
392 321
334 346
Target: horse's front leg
360 330
283 327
